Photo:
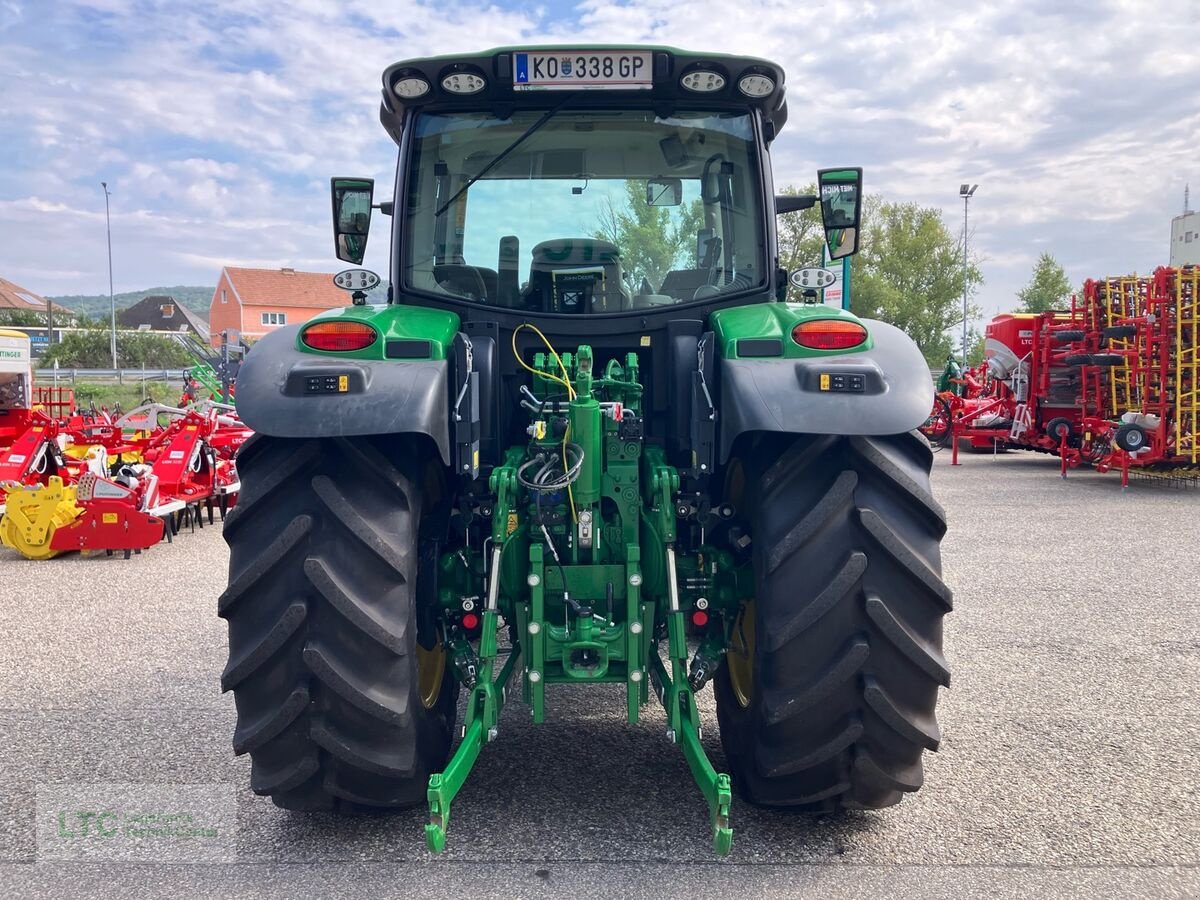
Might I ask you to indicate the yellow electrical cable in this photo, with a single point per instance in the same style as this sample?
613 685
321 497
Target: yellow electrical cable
565 381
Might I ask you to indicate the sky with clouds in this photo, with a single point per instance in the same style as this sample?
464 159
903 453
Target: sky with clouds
217 124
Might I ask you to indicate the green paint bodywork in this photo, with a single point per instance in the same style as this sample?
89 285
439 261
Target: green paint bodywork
393 322
849 175
776 320
204 376
596 610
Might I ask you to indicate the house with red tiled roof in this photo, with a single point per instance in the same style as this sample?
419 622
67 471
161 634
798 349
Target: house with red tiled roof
13 296
251 303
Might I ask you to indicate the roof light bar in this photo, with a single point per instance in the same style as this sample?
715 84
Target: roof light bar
463 83
755 85
703 81
410 88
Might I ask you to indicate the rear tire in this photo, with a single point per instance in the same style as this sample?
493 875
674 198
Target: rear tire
322 611
847 625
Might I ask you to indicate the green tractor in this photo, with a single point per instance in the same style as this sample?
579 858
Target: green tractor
585 441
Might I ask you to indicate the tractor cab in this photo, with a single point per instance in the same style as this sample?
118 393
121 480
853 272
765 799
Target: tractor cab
586 182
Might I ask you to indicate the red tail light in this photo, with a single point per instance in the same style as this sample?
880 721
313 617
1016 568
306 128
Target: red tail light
829 334
339 336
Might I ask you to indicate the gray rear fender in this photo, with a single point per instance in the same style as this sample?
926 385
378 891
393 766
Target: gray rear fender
384 396
784 395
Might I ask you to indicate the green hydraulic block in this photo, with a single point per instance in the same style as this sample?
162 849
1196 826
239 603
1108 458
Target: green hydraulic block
587 432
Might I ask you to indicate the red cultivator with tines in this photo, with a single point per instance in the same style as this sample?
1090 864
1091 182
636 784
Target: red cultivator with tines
141 476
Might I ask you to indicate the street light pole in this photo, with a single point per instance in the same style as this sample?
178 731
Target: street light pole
966 192
112 301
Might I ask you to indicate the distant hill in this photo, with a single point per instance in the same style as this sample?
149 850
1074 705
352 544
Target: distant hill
195 298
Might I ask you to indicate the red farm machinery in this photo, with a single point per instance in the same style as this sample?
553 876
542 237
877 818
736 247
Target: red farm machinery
1110 383
92 480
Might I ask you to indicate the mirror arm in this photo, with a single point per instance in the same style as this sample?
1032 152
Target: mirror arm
786 203
385 207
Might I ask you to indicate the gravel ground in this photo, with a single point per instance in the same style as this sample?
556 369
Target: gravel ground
1068 766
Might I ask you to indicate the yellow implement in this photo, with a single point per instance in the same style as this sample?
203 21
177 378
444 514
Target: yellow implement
34 513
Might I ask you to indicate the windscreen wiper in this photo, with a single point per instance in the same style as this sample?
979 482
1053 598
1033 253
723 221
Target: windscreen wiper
503 154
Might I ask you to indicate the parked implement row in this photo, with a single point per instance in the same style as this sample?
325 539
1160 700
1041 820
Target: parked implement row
1111 383
90 481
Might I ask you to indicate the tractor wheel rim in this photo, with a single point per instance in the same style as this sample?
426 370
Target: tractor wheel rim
431 672
740 657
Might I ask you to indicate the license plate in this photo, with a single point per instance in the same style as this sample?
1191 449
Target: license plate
564 70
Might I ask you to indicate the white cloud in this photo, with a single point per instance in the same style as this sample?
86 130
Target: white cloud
217 125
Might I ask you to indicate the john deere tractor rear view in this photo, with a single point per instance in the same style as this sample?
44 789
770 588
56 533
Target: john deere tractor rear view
585 441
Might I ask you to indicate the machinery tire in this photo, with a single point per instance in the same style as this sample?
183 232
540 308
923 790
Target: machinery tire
1059 428
1067 337
1107 360
1078 359
1130 437
1120 332
847 624
324 662
937 438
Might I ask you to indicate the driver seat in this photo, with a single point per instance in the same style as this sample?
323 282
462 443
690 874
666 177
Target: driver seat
576 275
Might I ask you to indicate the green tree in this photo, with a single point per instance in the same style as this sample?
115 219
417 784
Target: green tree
975 346
90 348
801 234
910 272
653 240
36 318
25 318
1048 287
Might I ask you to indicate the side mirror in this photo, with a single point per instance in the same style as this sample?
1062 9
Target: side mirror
351 216
664 192
841 209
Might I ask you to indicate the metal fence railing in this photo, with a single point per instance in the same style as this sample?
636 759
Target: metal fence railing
121 376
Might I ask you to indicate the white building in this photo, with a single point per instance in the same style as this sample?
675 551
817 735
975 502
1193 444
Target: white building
1185 236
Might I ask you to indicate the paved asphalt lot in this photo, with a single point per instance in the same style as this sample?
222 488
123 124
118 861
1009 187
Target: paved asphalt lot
1069 762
